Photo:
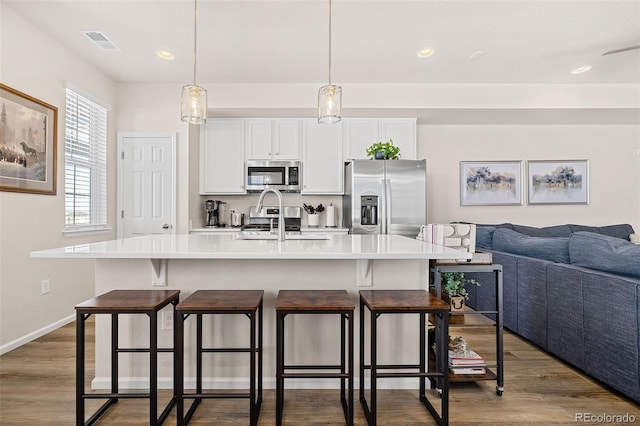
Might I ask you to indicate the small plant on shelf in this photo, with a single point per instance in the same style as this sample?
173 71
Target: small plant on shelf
453 284
384 151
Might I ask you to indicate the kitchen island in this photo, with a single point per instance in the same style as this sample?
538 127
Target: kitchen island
192 262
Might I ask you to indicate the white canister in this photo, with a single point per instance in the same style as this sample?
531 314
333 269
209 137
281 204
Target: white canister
313 220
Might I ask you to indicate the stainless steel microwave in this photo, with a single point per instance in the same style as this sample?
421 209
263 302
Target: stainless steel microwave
281 175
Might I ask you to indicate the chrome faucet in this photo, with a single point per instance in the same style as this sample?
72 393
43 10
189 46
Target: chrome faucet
280 210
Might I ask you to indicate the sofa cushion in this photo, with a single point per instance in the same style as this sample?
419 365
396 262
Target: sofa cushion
484 237
619 231
554 249
604 253
622 230
549 231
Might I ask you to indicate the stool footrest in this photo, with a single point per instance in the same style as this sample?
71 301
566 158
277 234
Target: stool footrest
312 367
383 375
116 396
228 350
134 350
314 375
392 366
212 395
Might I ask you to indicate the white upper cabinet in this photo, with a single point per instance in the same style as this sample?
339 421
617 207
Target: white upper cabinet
403 133
222 157
277 139
322 161
360 133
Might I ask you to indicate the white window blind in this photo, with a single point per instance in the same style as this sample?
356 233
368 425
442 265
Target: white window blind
85 163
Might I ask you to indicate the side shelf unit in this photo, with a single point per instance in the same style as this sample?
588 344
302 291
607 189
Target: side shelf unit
496 270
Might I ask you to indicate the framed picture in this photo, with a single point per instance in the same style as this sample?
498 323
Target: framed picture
490 183
558 182
28 133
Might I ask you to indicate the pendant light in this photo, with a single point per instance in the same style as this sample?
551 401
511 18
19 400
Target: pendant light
329 96
194 97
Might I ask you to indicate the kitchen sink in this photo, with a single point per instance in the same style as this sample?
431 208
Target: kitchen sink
267 236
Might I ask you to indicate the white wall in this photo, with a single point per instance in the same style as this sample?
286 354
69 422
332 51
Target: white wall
37 65
614 175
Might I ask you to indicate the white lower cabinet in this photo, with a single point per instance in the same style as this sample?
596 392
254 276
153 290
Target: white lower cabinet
322 161
222 157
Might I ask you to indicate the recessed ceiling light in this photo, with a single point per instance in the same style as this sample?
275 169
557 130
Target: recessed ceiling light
581 70
165 55
425 53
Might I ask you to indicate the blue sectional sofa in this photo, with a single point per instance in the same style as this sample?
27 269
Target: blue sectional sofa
572 290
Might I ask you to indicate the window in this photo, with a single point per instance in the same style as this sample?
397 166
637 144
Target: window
85 167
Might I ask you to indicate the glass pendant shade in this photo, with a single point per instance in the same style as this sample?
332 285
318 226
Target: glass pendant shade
329 104
194 104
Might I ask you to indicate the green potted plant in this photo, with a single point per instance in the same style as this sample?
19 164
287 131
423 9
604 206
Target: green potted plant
454 291
384 151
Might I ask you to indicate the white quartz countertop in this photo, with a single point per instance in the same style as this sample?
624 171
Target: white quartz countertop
203 246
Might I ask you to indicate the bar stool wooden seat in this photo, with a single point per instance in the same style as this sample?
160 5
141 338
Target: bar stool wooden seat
419 302
316 302
117 302
211 302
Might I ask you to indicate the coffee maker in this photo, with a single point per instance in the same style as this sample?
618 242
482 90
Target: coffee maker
215 213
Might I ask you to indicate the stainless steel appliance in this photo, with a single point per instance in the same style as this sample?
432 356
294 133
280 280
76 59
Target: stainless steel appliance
267 219
284 176
215 213
385 197
237 218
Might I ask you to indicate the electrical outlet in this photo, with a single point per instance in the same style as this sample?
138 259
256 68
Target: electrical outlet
167 320
45 286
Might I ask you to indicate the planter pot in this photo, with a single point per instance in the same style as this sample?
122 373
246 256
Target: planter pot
313 220
457 305
379 156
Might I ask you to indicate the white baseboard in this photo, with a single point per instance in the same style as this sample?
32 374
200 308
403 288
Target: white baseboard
235 383
34 335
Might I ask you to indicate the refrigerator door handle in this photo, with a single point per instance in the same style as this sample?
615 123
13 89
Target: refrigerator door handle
382 213
387 196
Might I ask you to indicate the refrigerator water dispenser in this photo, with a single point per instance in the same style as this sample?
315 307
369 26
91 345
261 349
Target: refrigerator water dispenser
369 210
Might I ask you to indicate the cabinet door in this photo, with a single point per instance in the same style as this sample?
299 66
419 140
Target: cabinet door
286 140
222 157
359 134
403 133
258 140
323 165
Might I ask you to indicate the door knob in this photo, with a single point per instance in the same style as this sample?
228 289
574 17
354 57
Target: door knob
166 226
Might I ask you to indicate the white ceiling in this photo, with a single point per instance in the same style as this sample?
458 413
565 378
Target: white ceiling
374 41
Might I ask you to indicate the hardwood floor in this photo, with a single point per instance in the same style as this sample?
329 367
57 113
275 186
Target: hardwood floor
37 388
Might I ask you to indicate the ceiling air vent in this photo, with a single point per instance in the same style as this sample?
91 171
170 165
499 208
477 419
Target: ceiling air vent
101 40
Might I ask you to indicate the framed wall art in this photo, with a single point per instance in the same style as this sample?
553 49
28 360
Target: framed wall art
558 181
28 143
491 183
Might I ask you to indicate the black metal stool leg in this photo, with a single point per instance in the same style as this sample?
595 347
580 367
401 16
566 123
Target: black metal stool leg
252 371
153 368
80 342
374 366
279 367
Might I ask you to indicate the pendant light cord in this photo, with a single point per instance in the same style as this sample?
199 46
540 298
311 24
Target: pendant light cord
329 42
195 38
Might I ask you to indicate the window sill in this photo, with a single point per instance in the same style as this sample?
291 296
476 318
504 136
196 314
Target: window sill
86 230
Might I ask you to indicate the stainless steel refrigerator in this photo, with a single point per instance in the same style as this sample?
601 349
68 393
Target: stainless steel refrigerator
385 197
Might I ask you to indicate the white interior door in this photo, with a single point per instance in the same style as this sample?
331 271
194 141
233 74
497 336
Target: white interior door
146 184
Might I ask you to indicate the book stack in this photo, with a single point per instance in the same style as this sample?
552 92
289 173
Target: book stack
466 363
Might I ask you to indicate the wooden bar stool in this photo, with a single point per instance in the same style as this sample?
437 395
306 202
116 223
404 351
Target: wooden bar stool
211 302
117 302
419 302
316 302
